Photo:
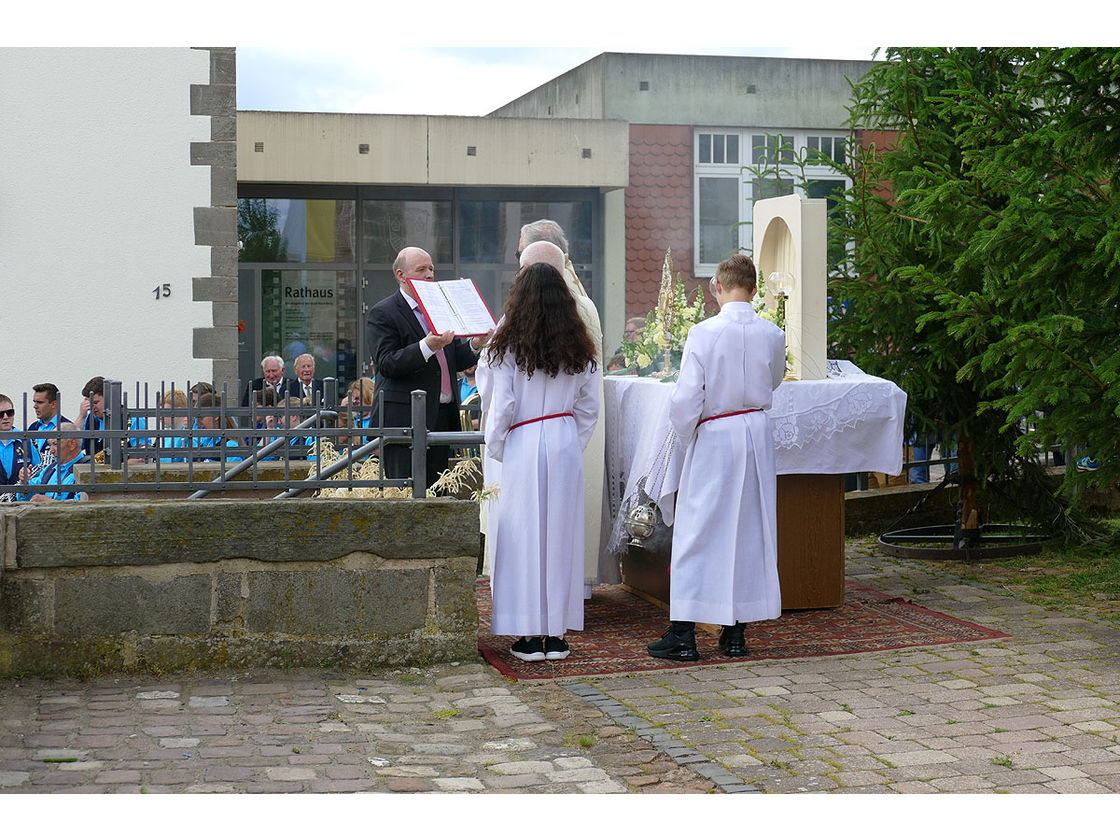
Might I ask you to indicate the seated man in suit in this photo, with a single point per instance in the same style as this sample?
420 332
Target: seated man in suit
307 386
273 380
407 356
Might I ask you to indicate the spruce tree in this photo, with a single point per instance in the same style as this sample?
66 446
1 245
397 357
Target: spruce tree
984 271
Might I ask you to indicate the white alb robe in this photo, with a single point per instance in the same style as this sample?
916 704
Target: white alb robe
724 564
596 568
537 574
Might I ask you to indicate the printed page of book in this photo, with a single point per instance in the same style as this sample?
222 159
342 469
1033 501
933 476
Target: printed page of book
454 305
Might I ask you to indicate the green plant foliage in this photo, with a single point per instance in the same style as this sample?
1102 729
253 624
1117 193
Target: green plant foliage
259 233
985 275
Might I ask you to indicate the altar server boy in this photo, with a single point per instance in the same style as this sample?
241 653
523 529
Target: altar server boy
725 547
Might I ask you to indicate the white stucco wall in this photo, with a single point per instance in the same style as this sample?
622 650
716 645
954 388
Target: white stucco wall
97 199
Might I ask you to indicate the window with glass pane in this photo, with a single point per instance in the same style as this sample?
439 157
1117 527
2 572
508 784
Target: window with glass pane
828 149
573 216
312 312
717 148
484 228
719 211
295 230
389 226
769 148
771 187
732 148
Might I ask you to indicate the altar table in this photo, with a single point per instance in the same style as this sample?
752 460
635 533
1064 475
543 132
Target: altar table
823 429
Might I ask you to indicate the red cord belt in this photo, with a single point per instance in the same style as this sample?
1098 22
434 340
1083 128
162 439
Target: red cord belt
539 419
728 414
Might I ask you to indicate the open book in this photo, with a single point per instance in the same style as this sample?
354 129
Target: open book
453 305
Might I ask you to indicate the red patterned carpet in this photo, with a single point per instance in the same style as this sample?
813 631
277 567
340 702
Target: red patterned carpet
618 625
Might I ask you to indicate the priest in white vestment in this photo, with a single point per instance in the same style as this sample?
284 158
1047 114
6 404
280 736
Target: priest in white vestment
539 420
724 567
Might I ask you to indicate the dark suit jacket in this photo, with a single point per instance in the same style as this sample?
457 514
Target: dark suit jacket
393 335
316 390
288 387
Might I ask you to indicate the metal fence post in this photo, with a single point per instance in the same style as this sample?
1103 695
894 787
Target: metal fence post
419 444
330 393
114 422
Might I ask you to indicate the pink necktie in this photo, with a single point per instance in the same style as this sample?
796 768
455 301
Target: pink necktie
444 374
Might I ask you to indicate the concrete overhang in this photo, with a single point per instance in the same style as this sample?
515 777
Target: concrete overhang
320 148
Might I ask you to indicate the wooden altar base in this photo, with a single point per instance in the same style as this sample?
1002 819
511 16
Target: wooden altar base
810 547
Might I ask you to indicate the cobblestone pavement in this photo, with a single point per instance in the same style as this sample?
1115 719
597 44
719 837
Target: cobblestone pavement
1037 712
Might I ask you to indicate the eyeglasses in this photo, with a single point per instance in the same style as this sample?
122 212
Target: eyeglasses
7 412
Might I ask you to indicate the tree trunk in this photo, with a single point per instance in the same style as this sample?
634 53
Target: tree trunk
966 473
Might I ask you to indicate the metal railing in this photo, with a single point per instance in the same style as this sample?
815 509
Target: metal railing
153 448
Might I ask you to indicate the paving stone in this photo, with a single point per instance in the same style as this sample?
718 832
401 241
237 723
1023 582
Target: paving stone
460 783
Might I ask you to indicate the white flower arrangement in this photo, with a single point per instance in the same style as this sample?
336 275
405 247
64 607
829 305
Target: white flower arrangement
667 326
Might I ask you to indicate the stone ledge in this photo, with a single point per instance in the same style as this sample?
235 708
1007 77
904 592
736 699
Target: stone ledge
293 530
174 585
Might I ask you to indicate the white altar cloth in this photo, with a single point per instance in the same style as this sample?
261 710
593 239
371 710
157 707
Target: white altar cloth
849 422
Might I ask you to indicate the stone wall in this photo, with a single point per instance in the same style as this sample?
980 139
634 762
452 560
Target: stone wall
171 586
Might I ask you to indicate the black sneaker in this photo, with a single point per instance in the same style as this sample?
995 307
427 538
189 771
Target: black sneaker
731 640
678 645
555 648
528 650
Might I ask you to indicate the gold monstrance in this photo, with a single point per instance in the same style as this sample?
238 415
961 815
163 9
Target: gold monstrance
665 310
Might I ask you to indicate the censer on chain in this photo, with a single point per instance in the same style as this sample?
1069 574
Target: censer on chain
642 514
641 518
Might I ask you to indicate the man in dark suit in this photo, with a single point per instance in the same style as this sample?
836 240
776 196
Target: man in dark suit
306 385
273 380
408 356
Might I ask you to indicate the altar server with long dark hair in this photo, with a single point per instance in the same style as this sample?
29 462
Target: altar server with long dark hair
725 547
539 378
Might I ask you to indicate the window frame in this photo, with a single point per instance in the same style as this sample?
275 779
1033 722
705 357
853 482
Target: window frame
799 138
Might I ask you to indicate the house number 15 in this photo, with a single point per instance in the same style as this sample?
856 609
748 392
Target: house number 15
162 291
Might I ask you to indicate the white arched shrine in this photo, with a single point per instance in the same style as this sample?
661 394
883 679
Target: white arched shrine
790 236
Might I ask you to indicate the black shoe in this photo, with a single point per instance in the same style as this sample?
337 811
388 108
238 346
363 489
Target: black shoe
528 650
555 648
731 641
678 643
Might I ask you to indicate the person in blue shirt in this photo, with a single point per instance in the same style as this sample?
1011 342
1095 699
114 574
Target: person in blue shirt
60 470
208 420
290 417
360 394
467 385
12 451
45 403
91 414
176 422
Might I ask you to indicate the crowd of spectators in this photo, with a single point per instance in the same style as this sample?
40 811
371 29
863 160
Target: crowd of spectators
188 425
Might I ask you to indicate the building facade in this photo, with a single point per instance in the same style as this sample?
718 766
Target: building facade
117 236
708 135
326 201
